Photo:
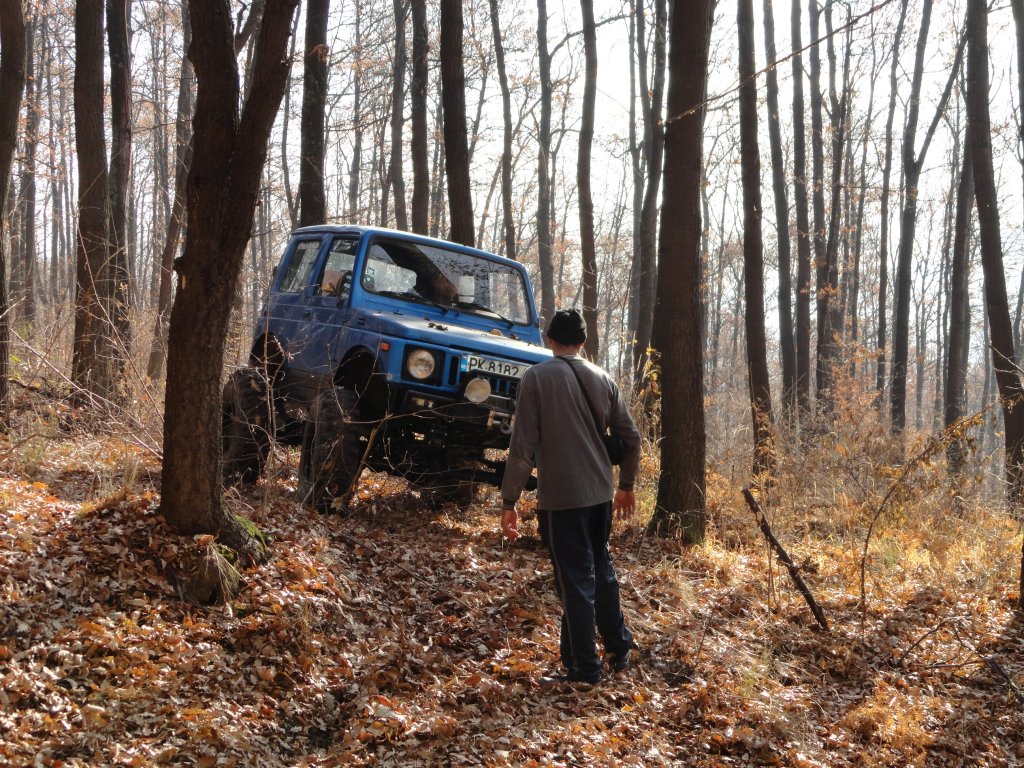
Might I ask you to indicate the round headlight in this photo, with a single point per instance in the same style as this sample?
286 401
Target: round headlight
478 390
420 364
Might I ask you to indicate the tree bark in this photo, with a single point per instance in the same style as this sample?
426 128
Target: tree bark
93 356
753 246
787 342
803 225
355 168
584 194
176 221
545 262
418 116
508 220
312 195
677 320
913 162
881 378
986 197
28 181
1018 23
12 85
818 184
456 147
396 174
118 181
229 150
829 311
652 98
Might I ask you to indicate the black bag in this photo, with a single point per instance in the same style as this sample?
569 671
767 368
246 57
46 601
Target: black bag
613 445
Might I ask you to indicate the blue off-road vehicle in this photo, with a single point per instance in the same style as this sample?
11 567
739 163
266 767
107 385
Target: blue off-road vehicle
384 350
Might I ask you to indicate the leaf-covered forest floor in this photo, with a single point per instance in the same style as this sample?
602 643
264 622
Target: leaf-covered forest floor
402 636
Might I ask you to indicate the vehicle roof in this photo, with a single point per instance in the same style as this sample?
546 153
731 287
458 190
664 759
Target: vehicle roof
360 230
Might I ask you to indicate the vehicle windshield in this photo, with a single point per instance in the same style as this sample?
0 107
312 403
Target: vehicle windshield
447 279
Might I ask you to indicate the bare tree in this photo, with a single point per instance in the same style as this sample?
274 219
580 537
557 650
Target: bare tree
119 178
960 307
176 220
883 252
987 200
545 262
584 193
787 341
508 220
312 195
418 115
803 225
229 149
456 147
96 356
12 85
677 320
912 165
753 246
651 99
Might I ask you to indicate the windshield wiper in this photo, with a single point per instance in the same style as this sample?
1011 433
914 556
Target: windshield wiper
414 297
483 308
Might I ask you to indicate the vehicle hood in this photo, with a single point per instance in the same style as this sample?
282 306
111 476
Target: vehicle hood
458 338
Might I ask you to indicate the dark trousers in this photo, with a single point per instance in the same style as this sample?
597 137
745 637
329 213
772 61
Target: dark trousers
577 540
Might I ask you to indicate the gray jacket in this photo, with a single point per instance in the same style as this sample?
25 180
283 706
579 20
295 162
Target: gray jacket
555 432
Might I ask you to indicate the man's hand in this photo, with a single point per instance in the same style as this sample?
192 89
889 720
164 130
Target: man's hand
624 505
509 522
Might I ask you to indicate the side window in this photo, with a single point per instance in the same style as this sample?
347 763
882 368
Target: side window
382 274
296 274
337 276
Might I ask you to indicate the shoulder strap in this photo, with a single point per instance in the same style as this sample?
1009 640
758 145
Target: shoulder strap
583 389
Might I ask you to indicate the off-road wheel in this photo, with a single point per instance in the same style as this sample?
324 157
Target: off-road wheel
247 426
333 445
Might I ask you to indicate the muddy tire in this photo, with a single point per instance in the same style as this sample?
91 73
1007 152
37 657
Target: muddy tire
333 445
247 426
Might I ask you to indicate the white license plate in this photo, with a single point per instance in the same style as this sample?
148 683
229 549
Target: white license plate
493 365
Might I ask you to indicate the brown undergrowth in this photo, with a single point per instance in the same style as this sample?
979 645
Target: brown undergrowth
403 636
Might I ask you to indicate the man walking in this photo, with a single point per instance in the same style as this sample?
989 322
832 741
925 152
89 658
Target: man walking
558 429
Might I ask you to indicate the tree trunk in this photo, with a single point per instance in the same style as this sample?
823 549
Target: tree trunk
911 175
803 225
28 181
753 246
119 180
818 182
223 183
1018 23
93 368
912 165
456 147
883 228
396 174
585 197
418 99
651 97
508 221
12 85
545 262
986 196
312 195
787 343
677 327
355 168
175 222
829 312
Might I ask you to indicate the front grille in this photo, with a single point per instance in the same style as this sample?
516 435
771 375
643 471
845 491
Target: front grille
500 385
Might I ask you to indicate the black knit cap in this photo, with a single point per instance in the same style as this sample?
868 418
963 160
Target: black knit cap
567 327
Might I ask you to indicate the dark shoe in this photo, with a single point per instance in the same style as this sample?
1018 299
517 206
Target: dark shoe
570 679
619 662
